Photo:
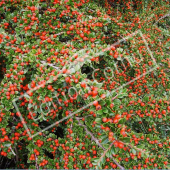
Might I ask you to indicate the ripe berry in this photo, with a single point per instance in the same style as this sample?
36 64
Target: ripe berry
76 80
98 107
83 84
95 103
163 111
120 145
111 105
71 27
67 79
94 93
104 119
49 87
103 96
117 116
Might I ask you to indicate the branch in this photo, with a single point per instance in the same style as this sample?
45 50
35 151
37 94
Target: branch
3 51
17 159
104 153
97 142
115 97
36 164
140 150
43 62
162 17
58 33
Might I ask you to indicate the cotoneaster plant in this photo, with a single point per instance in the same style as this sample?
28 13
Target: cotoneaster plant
77 70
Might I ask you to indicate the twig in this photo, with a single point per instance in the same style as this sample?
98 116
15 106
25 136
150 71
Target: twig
115 97
36 165
97 142
3 51
71 126
12 150
16 154
43 62
104 153
141 150
162 17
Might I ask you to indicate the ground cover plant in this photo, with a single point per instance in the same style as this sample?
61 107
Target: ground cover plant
84 84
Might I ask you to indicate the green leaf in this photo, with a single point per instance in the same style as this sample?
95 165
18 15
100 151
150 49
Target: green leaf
105 110
126 140
117 101
104 141
98 120
146 98
113 151
122 95
108 153
122 121
106 146
77 67
79 98
11 51
99 112
71 91
90 17
142 146
133 151
99 85
105 28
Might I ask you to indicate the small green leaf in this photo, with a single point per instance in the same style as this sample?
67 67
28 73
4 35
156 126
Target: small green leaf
133 151
113 151
98 120
126 140
116 101
105 110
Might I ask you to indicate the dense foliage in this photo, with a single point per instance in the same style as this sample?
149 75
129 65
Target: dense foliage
84 84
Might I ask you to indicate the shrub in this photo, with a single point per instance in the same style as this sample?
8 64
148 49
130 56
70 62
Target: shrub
84 84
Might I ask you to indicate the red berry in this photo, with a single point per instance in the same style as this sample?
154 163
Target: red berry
94 93
111 105
103 96
49 87
83 84
71 27
98 107
95 103
104 119
163 111
117 116
120 145
71 150
76 80
67 79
